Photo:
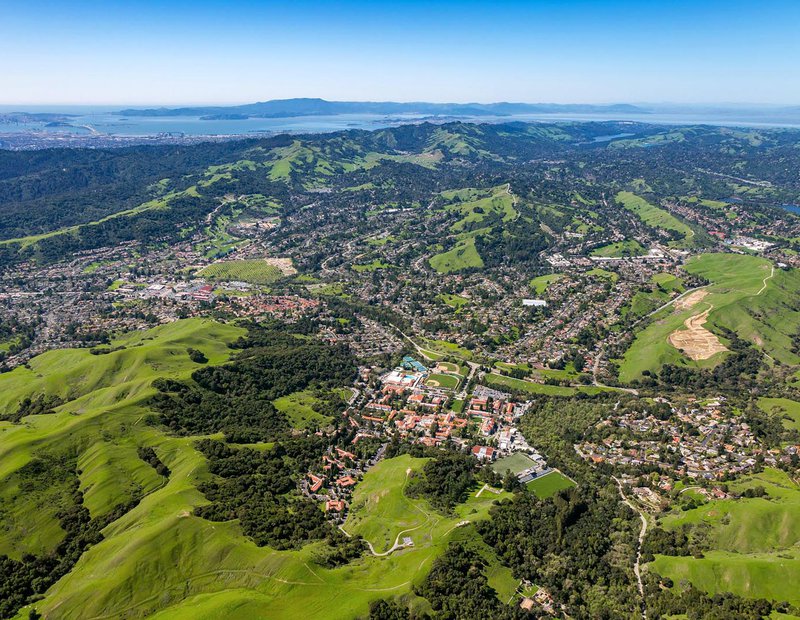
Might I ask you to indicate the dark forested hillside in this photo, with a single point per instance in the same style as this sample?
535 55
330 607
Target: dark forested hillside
48 190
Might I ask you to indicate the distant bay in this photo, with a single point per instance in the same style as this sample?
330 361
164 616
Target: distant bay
106 120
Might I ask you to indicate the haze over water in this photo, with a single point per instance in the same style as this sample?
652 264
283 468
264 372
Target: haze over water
105 120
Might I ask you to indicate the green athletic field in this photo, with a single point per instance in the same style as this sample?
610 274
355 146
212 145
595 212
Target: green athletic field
449 382
549 484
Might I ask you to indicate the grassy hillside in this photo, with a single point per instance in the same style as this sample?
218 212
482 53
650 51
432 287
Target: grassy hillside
159 561
462 256
788 409
754 542
97 430
653 216
255 271
630 247
746 295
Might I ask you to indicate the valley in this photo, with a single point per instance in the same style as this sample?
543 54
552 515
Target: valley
332 374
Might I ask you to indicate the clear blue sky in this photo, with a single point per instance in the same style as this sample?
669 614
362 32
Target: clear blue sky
140 52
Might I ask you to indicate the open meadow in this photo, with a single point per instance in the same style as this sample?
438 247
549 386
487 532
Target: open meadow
754 542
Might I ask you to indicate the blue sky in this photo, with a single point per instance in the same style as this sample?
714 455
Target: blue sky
146 52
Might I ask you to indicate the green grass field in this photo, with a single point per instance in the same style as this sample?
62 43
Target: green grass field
754 542
380 509
299 408
254 271
454 301
603 273
449 382
789 410
444 348
372 266
516 463
629 247
549 484
653 216
462 256
745 297
501 381
540 284
664 286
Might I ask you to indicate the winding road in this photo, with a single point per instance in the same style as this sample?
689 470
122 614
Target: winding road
642 534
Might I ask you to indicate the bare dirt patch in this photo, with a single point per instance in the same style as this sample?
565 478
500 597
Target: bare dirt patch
696 342
684 303
284 264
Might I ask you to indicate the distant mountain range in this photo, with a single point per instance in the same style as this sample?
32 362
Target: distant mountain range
284 108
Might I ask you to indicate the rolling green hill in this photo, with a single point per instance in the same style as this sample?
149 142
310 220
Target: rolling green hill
653 216
746 295
97 429
158 559
754 542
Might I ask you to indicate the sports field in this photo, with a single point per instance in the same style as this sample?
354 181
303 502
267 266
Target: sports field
449 382
517 462
549 484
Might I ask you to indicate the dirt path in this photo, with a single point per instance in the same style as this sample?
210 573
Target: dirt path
642 534
397 545
668 304
764 285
